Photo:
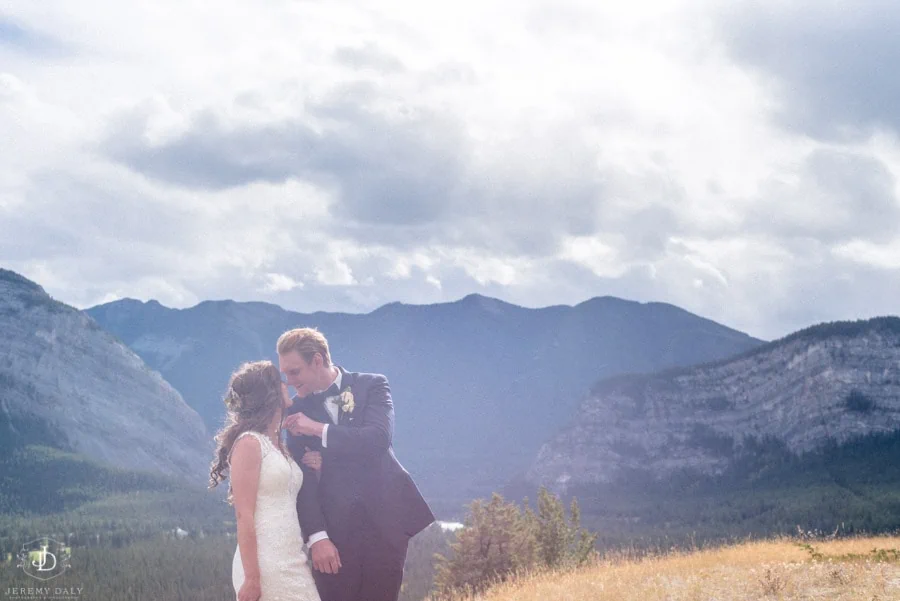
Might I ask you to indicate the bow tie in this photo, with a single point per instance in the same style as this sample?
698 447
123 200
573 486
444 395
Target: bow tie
332 390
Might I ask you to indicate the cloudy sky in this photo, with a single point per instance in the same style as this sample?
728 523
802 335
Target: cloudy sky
738 159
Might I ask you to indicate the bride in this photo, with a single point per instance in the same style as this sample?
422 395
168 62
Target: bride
269 562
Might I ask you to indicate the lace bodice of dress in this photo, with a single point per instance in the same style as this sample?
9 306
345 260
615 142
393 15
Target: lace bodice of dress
280 478
284 573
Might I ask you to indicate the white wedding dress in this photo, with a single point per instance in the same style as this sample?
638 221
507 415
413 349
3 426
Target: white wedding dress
283 570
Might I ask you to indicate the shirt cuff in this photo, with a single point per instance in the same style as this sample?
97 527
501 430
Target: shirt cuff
325 436
314 538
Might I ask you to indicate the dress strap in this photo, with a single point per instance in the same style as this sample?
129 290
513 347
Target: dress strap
265 445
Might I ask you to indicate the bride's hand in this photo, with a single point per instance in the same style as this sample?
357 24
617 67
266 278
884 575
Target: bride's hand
312 459
250 591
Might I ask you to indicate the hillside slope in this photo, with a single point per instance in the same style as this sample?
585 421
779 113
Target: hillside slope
66 383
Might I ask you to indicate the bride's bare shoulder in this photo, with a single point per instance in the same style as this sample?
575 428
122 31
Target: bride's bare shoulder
247 447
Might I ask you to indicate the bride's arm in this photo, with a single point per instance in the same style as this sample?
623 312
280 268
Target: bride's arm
245 463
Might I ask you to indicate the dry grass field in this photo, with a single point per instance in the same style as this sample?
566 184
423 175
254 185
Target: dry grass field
859 569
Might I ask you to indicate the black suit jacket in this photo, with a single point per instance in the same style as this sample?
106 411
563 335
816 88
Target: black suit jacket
360 477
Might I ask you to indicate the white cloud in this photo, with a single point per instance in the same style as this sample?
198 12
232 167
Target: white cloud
338 157
600 258
278 282
334 272
874 255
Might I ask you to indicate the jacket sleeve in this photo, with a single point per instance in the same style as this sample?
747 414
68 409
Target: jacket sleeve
309 510
374 433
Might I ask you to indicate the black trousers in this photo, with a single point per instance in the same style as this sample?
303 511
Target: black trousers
371 566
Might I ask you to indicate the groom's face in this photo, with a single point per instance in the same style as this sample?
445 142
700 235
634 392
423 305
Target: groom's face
303 376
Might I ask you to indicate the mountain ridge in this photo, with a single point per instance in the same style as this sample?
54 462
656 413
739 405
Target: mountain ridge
471 299
841 327
476 382
828 382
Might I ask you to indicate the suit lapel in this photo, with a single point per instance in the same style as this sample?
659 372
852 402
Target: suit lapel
347 381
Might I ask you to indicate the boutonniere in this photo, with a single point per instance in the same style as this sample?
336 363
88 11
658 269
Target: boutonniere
347 403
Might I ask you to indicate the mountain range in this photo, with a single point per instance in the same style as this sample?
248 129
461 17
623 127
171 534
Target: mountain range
478 384
663 424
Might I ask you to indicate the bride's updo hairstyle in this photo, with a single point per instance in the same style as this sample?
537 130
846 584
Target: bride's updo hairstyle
252 400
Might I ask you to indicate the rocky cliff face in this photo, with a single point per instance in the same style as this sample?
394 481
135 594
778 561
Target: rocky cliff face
831 382
67 383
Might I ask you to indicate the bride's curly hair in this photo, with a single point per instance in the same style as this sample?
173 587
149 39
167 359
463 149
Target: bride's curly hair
252 400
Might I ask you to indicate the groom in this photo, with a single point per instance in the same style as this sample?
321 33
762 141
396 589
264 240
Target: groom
358 515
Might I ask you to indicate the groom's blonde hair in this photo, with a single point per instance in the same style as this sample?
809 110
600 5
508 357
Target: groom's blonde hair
307 342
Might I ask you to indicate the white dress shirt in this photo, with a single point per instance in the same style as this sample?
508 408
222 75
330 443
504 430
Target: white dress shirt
332 410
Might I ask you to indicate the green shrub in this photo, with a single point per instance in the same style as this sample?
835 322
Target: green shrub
500 539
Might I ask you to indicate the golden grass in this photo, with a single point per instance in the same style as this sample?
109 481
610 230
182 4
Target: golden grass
765 570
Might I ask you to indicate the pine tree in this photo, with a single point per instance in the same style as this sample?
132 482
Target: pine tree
553 536
561 543
584 542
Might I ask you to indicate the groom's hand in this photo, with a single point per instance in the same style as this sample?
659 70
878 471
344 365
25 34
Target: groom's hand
299 424
312 459
325 557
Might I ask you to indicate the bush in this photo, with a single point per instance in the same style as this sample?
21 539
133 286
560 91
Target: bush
500 539
495 543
